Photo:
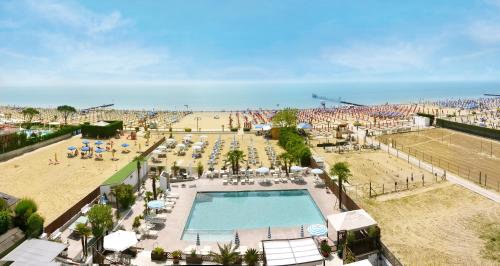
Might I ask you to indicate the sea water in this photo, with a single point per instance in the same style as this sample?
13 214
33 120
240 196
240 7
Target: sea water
240 96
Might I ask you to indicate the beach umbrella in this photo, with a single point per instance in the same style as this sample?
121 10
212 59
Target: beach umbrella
99 142
85 141
303 126
103 200
120 240
156 204
196 148
71 148
181 146
125 145
85 148
237 239
157 152
258 126
296 168
99 150
266 127
269 232
317 230
262 170
199 143
198 239
317 171
302 231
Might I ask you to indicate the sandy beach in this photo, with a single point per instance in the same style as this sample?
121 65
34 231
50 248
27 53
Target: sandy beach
55 188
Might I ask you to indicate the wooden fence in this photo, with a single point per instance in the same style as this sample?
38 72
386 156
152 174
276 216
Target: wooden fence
71 212
153 147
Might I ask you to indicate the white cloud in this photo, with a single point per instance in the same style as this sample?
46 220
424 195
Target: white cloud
486 32
380 58
76 16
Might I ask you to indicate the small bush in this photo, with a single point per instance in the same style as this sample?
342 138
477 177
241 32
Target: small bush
137 222
187 129
3 205
5 221
246 129
23 211
125 195
158 251
234 129
251 257
34 225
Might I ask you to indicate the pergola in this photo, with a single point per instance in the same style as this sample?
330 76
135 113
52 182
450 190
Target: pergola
351 220
35 252
291 252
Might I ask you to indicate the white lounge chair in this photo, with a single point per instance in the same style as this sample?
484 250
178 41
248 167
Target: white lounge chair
224 182
276 181
235 181
172 195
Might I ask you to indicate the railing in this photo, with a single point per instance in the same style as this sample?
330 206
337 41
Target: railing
389 255
72 211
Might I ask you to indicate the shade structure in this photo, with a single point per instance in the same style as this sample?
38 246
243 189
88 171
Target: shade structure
317 171
196 148
181 146
125 145
296 168
99 150
266 127
157 152
317 230
156 204
120 240
99 142
71 148
291 252
85 141
351 220
35 252
199 143
262 170
169 140
85 148
258 126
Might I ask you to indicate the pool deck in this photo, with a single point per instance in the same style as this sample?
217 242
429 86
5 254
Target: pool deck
169 237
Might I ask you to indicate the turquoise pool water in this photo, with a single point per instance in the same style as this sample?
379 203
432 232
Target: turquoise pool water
215 215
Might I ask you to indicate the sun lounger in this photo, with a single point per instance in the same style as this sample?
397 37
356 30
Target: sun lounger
243 181
276 181
235 181
250 181
224 182
172 195
284 180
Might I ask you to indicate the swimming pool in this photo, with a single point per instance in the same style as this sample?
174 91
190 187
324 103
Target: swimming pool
215 215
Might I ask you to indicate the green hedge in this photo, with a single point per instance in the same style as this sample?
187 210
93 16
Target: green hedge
431 117
294 144
91 131
471 129
20 140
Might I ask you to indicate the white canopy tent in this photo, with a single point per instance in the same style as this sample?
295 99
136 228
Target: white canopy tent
35 252
351 220
120 240
291 252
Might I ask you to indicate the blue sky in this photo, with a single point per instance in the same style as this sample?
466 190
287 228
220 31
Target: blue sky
50 42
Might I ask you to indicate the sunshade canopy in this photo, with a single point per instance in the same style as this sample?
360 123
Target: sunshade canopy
351 220
119 240
35 252
291 252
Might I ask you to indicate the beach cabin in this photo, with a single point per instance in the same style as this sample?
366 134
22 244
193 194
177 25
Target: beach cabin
127 175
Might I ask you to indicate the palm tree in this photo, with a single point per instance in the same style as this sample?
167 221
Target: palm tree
84 232
139 159
287 160
28 115
227 254
342 171
235 157
66 110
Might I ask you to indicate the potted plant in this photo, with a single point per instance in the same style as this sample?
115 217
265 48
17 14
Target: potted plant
251 257
325 249
177 255
137 223
158 253
193 258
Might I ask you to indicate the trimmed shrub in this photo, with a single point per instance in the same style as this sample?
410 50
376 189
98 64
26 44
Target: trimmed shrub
23 210
34 225
234 129
91 131
5 221
187 129
471 129
246 129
